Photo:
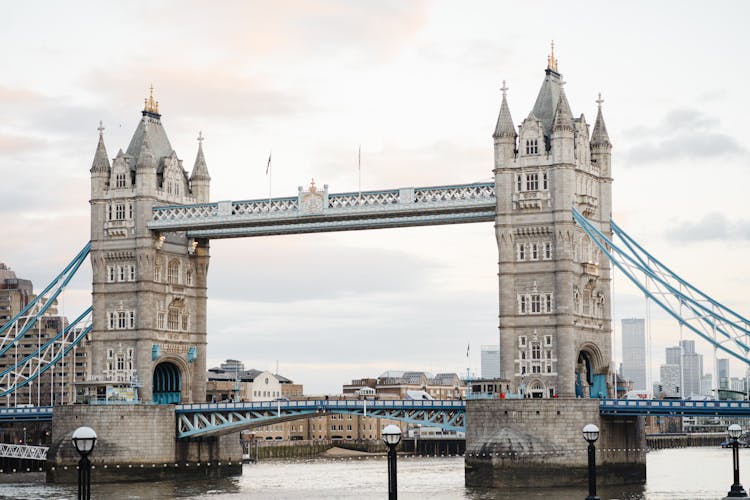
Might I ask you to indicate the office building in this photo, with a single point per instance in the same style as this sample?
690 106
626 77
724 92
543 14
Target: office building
634 351
490 361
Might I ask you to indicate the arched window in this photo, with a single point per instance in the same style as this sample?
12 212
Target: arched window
157 272
173 272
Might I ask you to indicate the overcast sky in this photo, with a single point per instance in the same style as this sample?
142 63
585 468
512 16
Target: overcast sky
417 85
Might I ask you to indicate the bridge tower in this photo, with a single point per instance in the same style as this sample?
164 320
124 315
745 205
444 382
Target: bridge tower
149 289
555 317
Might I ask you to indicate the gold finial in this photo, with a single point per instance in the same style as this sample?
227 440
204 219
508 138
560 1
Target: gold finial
313 188
150 105
551 61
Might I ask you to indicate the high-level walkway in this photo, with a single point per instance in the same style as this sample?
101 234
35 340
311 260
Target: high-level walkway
319 211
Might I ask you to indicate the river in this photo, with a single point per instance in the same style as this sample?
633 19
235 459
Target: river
685 473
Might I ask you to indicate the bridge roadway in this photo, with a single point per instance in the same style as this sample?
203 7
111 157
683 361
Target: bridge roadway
206 419
319 211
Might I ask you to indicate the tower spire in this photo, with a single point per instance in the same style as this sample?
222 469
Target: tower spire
504 127
101 160
150 105
551 60
600 137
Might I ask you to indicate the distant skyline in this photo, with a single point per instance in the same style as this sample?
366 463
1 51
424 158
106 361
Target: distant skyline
416 85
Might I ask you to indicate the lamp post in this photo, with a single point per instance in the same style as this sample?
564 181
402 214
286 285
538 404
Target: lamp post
736 491
84 439
391 437
591 434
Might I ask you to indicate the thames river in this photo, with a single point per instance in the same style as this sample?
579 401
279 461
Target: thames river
685 473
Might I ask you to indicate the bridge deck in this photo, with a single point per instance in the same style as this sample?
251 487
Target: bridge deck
319 211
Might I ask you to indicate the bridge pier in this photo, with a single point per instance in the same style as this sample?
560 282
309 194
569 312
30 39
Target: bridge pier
137 443
538 443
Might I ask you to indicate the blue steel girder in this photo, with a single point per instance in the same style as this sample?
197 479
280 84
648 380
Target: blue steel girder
454 204
673 407
717 324
210 419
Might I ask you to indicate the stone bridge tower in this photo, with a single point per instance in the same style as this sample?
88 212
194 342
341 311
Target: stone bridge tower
555 315
149 289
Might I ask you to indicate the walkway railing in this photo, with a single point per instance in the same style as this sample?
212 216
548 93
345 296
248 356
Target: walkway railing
23 451
319 211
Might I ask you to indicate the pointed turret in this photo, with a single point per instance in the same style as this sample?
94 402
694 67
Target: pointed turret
600 137
563 116
601 148
505 134
145 169
101 160
100 168
199 178
563 135
504 127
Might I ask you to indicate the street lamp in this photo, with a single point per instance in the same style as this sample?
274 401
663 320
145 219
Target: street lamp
391 437
736 491
591 434
84 439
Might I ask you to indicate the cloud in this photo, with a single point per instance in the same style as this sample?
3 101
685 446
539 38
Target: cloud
712 227
302 268
683 133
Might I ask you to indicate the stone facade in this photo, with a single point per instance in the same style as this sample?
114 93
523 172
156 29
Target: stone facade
136 443
526 443
149 289
555 313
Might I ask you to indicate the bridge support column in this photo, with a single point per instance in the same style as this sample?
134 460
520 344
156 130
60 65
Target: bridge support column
137 443
538 443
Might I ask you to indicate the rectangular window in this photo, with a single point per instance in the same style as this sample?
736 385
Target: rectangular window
160 316
536 368
121 273
522 340
521 251
523 370
111 274
189 278
536 304
545 182
548 250
184 322
532 182
549 354
110 354
548 340
157 273
111 320
130 211
534 251
549 368
519 186
131 272
131 319
121 320
120 211
109 212
523 305
548 302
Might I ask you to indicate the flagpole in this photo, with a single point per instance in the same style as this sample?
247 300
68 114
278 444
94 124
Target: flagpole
269 171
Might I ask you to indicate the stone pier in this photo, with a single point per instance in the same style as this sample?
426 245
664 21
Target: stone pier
538 443
137 443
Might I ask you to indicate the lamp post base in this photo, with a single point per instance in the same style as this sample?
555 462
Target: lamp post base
592 498
737 491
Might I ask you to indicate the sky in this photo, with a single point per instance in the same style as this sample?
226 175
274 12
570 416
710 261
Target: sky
416 85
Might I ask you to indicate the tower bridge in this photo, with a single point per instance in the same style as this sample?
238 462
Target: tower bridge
551 205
